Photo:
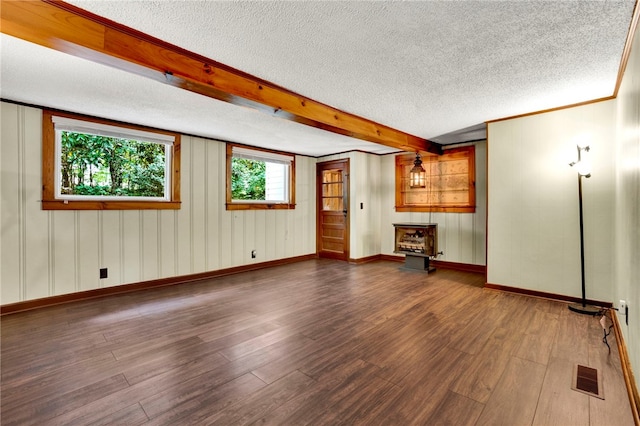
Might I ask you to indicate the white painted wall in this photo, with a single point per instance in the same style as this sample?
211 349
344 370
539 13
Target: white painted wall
627 204
461 236
47 253
533 219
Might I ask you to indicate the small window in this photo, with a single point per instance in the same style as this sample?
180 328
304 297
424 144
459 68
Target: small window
91 164
259 179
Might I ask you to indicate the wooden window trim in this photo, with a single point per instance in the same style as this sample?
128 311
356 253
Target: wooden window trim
403 160
49 200
239 205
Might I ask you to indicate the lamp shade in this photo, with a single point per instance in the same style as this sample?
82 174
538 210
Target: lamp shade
583 165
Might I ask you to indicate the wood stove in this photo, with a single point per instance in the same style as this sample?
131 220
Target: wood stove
418 242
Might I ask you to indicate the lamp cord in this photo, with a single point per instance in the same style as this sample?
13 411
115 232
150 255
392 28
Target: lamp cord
606 332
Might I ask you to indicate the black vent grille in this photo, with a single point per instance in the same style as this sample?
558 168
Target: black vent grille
587 380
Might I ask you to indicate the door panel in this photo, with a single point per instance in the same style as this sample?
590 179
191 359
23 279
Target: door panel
333 213
332 233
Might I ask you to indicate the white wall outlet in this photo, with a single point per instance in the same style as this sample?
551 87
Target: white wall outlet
623 305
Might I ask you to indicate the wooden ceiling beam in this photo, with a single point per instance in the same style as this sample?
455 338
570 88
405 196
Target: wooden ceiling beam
66 28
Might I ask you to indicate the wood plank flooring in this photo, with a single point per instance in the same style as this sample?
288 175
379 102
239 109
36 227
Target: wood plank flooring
317 342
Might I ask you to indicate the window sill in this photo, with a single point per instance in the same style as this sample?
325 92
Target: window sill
439 209
109 205
260 206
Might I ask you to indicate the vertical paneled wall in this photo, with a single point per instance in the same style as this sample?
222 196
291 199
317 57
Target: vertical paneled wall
47 253
533 214
365 205
627 230
461 236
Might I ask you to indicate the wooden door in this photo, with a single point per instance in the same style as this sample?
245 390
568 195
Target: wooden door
333 209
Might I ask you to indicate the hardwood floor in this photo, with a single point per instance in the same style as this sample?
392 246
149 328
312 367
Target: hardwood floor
317 342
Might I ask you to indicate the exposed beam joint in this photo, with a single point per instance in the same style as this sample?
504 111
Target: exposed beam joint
66 28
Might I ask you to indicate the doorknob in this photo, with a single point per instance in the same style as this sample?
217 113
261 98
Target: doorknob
344 212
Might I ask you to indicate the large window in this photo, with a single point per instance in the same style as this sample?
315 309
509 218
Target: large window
450 182
95 164
259 179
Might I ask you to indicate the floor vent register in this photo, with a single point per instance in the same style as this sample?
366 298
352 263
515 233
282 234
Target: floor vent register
587 380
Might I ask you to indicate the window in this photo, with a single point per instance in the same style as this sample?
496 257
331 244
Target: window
259 179
450 184
91 164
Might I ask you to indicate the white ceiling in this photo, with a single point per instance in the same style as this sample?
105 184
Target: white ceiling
434 69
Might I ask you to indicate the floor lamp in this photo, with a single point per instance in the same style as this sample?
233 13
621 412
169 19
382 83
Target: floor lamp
583 167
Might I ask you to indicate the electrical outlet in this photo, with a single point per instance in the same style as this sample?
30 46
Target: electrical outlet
624 310
103 273
253 254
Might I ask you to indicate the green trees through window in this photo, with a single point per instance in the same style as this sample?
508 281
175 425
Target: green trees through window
248 179
94 165
259 179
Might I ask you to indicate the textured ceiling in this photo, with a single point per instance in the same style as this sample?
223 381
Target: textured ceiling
433 69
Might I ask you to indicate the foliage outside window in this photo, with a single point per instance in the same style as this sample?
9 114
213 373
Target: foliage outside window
450 184
94 164
259 179
248 179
